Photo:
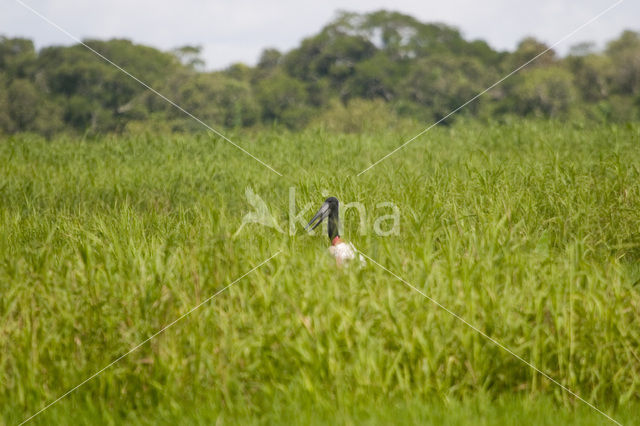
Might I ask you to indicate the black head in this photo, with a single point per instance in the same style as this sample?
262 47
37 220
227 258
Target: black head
329 209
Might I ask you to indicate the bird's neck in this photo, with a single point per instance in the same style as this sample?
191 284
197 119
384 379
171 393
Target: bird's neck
333 225
336 240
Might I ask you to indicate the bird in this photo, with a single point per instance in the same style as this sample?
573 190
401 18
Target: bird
341 250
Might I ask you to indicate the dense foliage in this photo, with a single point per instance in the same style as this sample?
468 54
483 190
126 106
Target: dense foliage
385 61
527 230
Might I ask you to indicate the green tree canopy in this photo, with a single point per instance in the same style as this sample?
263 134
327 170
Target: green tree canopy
421 70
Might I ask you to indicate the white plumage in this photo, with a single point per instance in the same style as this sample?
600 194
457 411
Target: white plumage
345 252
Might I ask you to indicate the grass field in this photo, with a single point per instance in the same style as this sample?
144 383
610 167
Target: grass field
529 230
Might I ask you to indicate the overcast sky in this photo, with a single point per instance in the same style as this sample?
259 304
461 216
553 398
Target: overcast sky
237 30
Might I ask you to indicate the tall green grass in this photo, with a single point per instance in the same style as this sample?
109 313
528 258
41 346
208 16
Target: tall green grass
528 230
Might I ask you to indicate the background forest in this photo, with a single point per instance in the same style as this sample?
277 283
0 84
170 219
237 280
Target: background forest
380 66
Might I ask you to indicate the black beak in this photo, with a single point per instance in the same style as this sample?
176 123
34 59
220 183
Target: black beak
320 216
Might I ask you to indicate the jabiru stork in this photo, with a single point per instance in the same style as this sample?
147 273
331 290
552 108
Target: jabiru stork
341 250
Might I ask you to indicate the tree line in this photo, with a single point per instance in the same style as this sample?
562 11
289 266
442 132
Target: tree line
358 67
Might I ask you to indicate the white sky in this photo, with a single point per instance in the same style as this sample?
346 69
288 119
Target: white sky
237 30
